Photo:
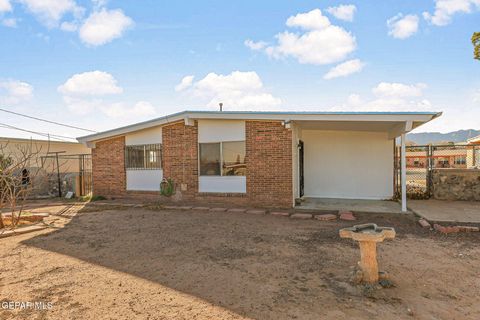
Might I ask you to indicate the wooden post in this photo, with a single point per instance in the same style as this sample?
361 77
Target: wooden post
368 261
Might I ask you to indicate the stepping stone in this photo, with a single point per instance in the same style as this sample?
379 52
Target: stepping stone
468 229
424 223
170 207
256 211
325 217
201 208
184 208
280 213
236 210
218 209
347 216
303 216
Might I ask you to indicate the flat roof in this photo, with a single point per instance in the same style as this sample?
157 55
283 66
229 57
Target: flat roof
419 117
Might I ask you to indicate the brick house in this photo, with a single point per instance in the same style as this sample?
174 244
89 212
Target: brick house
265 159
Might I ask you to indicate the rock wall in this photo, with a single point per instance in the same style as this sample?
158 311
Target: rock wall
456 184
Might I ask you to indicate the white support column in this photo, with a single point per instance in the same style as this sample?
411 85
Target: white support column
403 168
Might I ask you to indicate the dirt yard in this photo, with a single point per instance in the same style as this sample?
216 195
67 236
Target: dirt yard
144 264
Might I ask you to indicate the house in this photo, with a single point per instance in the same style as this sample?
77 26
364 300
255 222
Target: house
255 158
442 158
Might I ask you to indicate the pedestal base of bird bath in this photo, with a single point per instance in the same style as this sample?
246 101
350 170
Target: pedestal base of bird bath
367 236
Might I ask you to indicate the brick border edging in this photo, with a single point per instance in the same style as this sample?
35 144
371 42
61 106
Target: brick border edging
342 215
424 223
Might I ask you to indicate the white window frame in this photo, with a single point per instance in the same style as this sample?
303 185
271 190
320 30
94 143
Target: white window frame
221 156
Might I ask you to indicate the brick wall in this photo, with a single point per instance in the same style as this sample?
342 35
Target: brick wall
180 156
108 159
268 159
269 163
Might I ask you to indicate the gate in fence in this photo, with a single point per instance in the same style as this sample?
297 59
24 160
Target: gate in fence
422 160
62 173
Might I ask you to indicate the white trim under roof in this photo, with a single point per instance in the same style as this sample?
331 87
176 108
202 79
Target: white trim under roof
413 120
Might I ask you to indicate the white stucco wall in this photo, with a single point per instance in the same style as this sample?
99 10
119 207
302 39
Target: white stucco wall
144 180
221 130
348 164
148 136
217 131
226 184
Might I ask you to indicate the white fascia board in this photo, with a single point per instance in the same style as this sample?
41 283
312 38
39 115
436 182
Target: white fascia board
414 117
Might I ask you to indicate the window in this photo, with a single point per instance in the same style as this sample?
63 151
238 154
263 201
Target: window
460 160
222 159
143 157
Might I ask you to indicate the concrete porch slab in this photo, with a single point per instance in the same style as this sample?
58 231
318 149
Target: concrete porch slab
330 204
446 211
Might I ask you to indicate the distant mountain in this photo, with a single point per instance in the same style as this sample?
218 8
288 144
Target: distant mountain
423 138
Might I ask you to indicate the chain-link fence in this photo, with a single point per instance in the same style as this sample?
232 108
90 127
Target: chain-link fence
421 160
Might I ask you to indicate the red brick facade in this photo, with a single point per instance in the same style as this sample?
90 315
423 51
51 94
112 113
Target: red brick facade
180 156
268 160
108 170
269 163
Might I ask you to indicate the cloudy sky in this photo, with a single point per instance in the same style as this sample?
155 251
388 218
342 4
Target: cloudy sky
101 64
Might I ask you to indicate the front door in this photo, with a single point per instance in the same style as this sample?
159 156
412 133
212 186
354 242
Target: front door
300 167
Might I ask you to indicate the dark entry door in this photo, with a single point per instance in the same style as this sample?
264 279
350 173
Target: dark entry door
300 167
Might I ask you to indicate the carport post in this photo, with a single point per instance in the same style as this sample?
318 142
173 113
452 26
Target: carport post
403 171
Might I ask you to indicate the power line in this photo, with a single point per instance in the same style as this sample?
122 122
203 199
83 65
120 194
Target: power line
53 136
44 120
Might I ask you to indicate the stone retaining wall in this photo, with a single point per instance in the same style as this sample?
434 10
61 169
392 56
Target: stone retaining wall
456 184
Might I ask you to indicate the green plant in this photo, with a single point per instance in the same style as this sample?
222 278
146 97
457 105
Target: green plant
167 187
91 198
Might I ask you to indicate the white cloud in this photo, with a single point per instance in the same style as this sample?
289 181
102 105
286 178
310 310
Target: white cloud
398 90
84 93
69 26
15 92
445 9
10 22
120 110
402 27
238 89
344 69
5 6
343 12
104 26
255 45
50 12
93 83
184 84
389 97
309 20
321 43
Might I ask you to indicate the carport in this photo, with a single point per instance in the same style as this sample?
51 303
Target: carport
351 155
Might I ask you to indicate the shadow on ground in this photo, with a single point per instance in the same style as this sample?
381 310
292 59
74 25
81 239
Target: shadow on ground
260 267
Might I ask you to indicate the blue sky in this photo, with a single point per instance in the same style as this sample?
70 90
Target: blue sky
102 64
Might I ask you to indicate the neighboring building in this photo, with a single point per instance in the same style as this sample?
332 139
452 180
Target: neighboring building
442 158
254 158
43 167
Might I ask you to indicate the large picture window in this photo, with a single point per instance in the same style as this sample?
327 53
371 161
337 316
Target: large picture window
143 157
222 159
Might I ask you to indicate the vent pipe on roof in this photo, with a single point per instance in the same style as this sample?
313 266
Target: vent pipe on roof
221 106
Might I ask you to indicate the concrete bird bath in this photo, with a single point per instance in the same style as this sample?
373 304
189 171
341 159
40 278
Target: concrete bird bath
367 236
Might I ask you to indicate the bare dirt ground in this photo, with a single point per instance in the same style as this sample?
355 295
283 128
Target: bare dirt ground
135 263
